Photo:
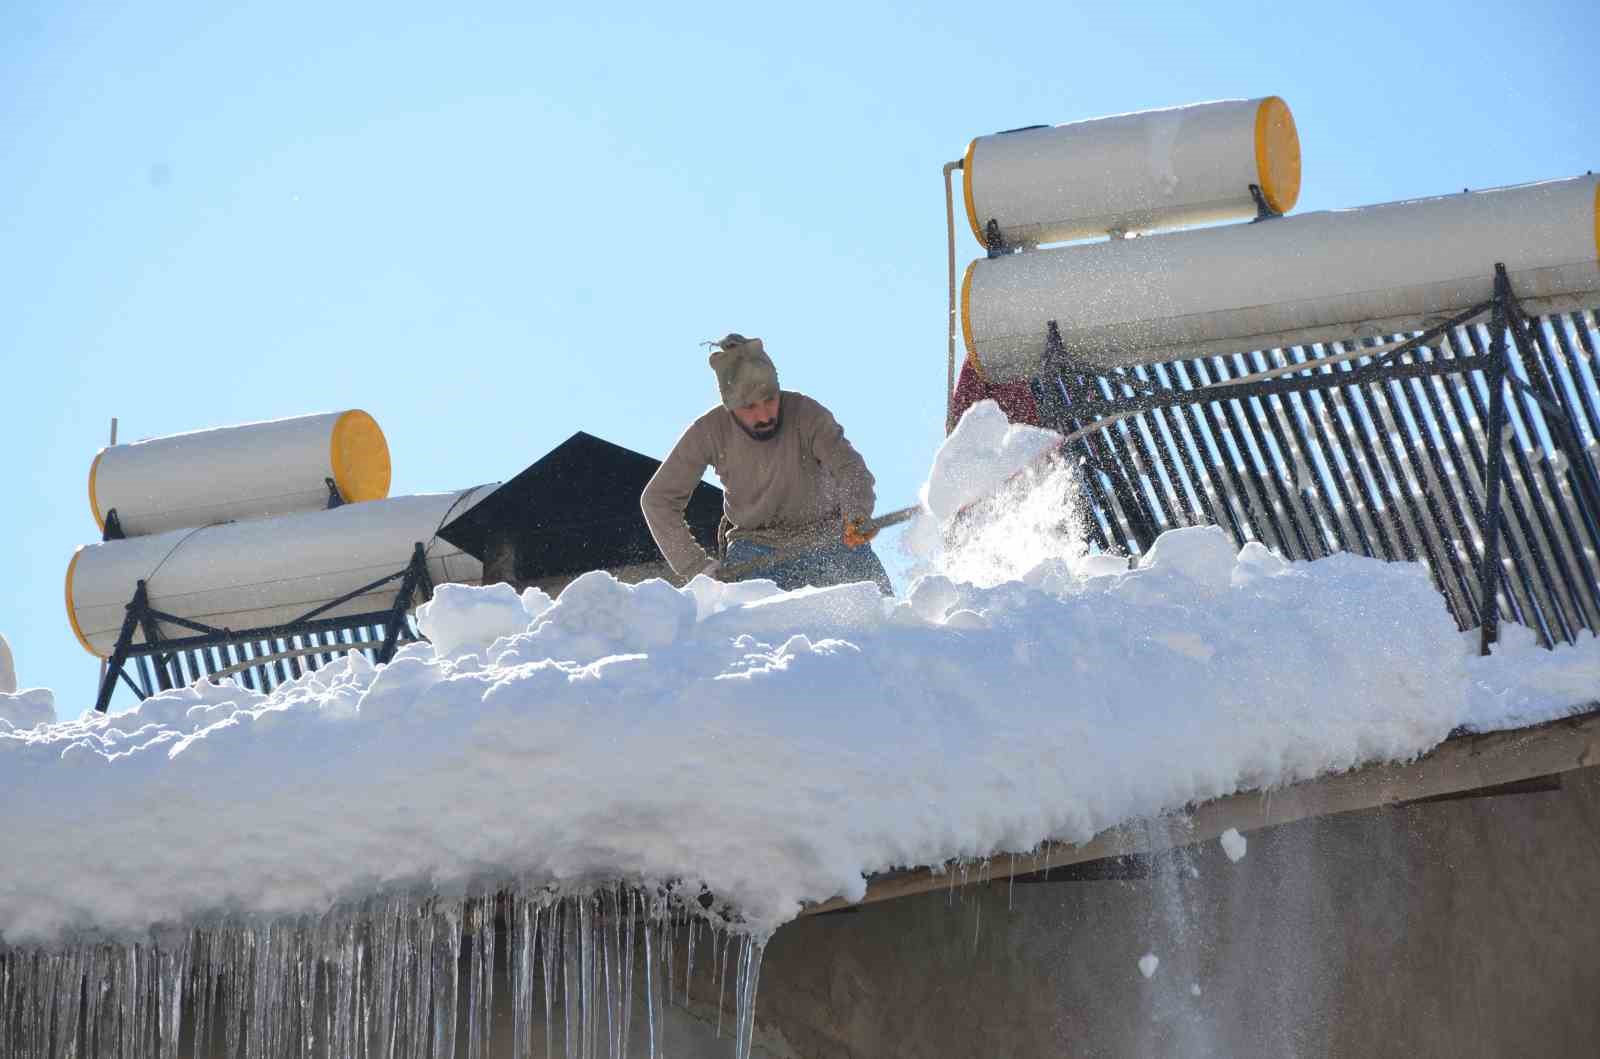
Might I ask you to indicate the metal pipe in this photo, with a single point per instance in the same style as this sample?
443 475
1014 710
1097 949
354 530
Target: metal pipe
950 320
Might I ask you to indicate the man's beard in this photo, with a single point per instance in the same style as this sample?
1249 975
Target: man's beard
765 430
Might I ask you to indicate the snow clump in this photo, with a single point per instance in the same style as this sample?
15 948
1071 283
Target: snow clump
27 709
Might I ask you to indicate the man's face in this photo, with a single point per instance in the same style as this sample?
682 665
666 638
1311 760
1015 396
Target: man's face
760 420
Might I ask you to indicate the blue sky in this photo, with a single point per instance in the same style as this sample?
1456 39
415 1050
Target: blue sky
494 225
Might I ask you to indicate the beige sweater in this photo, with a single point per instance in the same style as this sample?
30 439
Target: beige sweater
798 486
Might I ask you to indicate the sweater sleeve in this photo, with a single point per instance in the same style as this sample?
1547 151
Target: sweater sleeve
667 495
834 451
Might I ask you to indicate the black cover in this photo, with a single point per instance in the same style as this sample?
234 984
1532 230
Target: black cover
577 509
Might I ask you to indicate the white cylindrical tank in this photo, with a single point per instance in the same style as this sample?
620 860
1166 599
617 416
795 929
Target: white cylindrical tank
8 669
1312 277
262 572
1133 172
255 470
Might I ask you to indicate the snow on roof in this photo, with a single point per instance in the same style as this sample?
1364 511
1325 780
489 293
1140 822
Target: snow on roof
775 747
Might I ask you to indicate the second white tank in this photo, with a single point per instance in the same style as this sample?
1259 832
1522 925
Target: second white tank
264 572
1311 277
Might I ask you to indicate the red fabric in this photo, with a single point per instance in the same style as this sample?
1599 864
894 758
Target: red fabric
1014 398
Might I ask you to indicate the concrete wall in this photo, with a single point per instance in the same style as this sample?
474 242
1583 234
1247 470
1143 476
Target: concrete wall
1462 928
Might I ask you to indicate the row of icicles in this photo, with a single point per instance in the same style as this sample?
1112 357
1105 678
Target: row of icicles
590 974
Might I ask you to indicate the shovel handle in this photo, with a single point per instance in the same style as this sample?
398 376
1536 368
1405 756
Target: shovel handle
739 571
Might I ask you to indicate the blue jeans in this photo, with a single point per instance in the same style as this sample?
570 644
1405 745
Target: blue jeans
826 564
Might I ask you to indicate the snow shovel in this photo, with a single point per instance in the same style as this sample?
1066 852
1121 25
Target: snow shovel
739 571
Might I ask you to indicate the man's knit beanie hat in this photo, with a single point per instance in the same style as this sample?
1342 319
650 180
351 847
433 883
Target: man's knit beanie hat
745 374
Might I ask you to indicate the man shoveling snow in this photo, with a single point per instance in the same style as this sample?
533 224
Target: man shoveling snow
795 491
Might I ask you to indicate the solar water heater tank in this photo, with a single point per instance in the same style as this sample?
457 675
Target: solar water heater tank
255 470
261 572
1310 277
1133 172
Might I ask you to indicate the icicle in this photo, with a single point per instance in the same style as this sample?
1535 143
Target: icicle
722 974
173 968
738 996
688 970
362 997
232 955
446 976
419 972
91 996
549 937
669 928
607 925
130 1009
519 960
649 983
751 951
383 1013
267 1007
758 949
484 1019
586 977
477 974
572 979
625 962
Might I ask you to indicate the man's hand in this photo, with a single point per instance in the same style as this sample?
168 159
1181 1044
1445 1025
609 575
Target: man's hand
712 569
853 535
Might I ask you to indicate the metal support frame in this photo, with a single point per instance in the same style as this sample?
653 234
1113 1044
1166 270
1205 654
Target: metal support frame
1489 572
165 651
993 242
995 245
1264 211
1257 451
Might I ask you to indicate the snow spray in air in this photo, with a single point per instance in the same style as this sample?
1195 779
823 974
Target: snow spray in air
1000 504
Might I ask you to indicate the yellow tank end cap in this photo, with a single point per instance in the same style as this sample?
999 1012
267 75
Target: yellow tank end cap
1277 154
72 611
966 321
94 500
966 194
360 457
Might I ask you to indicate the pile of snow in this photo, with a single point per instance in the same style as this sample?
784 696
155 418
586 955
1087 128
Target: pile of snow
1234 844
1521 683
775 747
27 709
